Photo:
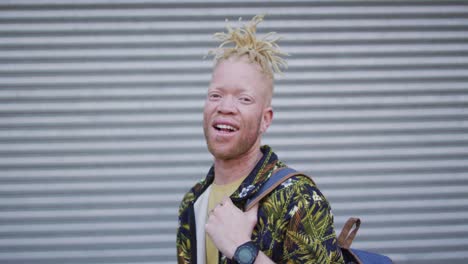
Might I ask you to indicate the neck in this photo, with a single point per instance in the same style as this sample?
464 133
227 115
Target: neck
227 171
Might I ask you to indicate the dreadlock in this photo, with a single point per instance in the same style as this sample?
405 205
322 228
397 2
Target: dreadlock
264 51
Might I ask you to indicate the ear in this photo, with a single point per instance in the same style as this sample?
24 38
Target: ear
267 118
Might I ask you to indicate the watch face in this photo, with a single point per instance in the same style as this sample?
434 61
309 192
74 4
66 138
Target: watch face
245 255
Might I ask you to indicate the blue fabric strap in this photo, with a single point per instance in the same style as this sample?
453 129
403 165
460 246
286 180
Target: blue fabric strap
275 178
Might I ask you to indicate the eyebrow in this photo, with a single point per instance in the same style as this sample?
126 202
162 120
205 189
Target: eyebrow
222 88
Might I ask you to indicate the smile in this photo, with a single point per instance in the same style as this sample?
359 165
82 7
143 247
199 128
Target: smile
225 128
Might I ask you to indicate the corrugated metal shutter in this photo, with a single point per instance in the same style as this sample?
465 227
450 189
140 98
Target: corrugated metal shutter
100 121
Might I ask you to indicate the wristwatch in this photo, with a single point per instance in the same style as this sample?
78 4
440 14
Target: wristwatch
246 253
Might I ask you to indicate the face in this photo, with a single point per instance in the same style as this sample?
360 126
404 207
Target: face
237 108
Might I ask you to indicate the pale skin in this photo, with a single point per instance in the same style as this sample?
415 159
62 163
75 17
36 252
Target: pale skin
239 96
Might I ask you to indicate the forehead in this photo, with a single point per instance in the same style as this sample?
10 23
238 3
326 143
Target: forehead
238 73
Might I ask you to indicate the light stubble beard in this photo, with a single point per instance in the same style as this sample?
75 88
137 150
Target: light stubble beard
243 145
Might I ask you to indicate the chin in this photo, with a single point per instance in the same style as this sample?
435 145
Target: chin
230 150
221 153
225 151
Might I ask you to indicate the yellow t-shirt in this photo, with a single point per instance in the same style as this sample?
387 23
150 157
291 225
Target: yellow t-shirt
218 192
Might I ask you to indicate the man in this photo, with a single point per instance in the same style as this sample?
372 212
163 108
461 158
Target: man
294 223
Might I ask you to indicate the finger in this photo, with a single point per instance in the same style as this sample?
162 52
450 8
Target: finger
227 202
215 209
208 228
212 217
252 213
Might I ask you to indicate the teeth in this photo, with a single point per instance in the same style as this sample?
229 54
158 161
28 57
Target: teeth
226 127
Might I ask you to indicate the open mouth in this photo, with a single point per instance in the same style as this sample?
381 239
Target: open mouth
224 128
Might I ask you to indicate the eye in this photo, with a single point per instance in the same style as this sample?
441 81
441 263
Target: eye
214 96
245 99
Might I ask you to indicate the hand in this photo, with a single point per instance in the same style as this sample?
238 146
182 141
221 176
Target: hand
229 227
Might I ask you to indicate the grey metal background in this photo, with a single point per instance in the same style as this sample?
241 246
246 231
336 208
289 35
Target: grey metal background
100 121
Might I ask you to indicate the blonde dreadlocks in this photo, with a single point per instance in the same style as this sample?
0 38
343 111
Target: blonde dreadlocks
264 51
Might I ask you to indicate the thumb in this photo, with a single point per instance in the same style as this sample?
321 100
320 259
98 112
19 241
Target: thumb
252 214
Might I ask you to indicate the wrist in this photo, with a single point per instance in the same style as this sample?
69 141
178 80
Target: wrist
246 253
234 246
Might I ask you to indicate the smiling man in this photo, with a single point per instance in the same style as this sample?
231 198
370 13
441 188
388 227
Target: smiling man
294 223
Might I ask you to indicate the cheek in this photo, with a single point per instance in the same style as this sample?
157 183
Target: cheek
207 110
254 120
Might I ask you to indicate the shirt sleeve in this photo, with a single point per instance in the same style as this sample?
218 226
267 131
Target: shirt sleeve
309 236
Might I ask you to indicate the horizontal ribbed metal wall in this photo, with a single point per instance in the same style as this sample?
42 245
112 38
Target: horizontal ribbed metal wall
100 121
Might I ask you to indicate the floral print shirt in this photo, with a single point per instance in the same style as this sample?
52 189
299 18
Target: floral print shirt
295 223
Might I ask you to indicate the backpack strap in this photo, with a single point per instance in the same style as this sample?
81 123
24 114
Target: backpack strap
347 235
277 177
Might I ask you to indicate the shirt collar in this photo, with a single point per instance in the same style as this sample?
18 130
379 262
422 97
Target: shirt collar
254 180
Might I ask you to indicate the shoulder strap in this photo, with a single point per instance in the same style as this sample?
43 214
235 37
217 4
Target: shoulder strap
347 235
278 176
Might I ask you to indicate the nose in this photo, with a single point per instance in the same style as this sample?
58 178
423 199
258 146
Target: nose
227 106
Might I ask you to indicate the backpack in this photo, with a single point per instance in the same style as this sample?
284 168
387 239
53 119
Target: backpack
346 237
357 256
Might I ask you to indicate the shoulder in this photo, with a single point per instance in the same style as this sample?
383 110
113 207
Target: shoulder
298 191
191 196
301 183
